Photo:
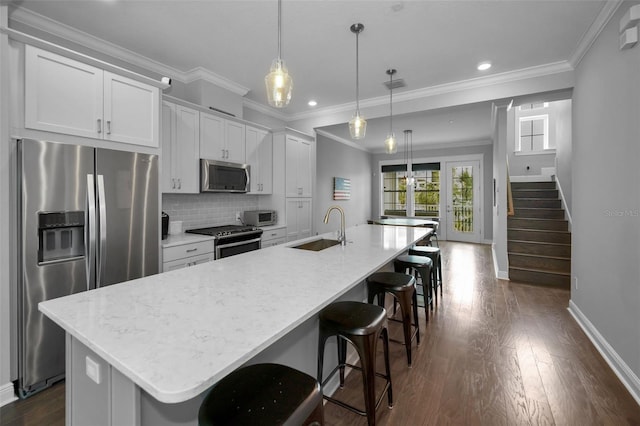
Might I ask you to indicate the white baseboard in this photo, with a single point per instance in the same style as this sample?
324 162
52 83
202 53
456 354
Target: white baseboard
501 275
628 378
7 394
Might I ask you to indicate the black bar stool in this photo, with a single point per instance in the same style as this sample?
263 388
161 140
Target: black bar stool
422 265
269 394
360 324
435 255
403 288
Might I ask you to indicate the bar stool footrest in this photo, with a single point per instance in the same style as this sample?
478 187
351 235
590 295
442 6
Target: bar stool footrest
351 407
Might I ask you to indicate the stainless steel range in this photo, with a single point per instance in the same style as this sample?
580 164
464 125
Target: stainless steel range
232 239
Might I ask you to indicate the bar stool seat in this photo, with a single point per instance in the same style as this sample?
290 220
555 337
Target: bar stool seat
423 266
435 255
270 394
362 325
403 288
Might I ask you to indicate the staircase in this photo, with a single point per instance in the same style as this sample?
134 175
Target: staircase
539 241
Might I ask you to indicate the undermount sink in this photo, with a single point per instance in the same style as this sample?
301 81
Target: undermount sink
317 245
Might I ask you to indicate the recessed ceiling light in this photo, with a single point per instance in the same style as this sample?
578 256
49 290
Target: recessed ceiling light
483 66
312 103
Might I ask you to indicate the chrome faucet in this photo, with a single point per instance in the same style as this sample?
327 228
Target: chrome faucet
342 237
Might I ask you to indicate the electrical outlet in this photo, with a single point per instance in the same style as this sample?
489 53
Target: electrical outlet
238 217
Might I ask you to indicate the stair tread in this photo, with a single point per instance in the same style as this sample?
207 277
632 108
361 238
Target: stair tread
538 218
539 242
538 230
540 255
542 271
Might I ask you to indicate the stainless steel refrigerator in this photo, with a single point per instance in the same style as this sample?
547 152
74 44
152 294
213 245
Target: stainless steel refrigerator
88 218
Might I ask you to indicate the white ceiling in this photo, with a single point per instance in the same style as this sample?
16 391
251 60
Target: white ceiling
430 43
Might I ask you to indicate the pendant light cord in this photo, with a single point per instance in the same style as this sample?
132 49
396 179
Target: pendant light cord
279 30
357 75
391 101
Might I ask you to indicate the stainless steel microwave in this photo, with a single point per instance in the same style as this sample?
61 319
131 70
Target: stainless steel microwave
260 217
221 176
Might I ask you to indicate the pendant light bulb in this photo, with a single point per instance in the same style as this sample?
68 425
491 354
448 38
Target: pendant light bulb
278 82
357 125
390 144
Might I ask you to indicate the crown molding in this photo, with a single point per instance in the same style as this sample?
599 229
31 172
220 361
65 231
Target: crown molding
474 83
341 140
271 112
438 145
201 73
590 36
37 21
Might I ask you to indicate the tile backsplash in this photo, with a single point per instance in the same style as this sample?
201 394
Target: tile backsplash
201 210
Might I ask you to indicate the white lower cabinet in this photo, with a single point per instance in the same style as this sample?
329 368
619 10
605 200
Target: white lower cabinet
299 213
274 237
184 255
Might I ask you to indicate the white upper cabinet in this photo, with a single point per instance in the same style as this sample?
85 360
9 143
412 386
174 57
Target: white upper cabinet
130 110
298 167
62 95
180 149
221 139
66 96
259 147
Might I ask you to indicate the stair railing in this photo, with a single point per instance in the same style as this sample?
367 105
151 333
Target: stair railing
510 210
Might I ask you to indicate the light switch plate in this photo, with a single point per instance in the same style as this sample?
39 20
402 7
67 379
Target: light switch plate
93 370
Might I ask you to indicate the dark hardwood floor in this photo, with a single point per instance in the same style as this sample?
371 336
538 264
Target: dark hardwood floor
493 353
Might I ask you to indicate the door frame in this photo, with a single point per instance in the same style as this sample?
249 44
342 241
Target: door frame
442 229
477 235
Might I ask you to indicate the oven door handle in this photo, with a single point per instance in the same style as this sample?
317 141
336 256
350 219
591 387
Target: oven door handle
239 243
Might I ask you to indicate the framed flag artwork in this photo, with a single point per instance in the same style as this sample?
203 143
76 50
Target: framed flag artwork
341 188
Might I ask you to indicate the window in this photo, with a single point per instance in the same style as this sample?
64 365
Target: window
394 191
426 194
532 127
534 134
420 199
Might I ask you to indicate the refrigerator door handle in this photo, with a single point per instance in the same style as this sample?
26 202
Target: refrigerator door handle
102 223
90 233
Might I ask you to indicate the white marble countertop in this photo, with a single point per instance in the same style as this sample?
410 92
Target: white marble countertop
184 238
177 333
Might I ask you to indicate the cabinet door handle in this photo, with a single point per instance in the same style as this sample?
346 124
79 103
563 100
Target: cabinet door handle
108 127
179 183
192 250
173 183
99 125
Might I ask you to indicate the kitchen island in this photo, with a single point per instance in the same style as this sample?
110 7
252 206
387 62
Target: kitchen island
146 351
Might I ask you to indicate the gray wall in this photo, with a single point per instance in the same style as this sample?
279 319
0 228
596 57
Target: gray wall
335 159
487 167
606 199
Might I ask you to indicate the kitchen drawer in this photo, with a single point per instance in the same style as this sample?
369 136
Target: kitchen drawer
273 234
186 262
186 250
273 242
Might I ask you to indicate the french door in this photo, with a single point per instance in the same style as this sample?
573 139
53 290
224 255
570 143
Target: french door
463 201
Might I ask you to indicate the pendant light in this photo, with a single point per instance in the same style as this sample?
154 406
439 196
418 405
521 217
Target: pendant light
391 147
357 125
408 152
279 83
